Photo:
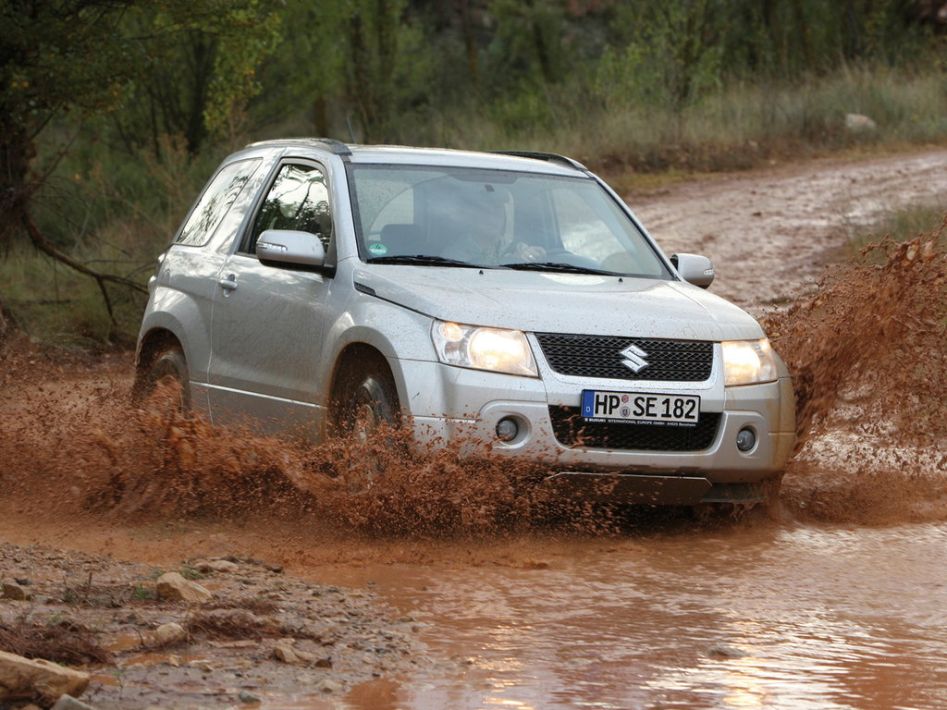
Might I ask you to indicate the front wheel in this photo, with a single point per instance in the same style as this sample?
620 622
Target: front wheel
366 400
365 406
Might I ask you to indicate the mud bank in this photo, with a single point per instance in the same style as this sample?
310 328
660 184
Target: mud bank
259 636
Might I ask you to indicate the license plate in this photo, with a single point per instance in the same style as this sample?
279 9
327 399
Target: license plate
640 407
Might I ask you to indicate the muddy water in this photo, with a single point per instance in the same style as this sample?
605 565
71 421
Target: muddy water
757 616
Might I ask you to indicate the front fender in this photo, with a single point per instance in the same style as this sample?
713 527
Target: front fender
396 332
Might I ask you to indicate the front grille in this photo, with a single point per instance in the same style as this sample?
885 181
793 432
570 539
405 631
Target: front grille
601 356
572 431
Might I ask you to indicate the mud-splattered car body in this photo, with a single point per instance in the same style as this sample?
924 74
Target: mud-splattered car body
313 282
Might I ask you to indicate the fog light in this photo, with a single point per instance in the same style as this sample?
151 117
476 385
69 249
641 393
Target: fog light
746 439
507 429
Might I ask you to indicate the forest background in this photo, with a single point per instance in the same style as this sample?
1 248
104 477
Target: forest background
113 113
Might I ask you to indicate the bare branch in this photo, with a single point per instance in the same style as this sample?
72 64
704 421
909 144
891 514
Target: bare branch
40 241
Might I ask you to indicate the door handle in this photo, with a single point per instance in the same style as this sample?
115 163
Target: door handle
229 283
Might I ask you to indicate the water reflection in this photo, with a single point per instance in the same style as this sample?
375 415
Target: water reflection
747 618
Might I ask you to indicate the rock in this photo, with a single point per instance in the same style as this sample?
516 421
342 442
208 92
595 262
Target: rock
207 566
223 566
67 702
168 634
285 653
171 586
248 698
859 123
24 678
329 686
305 657
204 666
723 651
14 592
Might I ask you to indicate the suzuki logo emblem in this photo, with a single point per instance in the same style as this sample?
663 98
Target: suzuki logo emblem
634 358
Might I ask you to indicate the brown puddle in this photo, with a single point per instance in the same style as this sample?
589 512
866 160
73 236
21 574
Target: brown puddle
751 616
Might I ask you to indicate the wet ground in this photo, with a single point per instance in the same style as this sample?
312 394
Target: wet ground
772 616
809 608
754 615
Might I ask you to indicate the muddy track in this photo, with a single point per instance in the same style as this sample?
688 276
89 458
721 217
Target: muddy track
771 232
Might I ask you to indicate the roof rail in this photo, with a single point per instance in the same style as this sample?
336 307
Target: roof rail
330 144
548 157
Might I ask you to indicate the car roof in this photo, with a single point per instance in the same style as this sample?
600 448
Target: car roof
521 161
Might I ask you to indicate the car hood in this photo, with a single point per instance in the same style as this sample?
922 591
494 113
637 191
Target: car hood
560 303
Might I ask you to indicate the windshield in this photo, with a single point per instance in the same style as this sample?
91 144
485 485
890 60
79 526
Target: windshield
495 219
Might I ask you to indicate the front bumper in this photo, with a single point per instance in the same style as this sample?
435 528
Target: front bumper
454 404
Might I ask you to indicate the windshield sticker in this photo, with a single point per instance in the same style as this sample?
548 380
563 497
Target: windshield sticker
377 249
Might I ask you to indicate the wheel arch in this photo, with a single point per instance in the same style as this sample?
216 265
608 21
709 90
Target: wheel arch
152 343
352 357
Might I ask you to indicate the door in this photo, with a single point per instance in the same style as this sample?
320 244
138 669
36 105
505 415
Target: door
268 321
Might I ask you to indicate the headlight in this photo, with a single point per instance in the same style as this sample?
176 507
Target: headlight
493 349
746 362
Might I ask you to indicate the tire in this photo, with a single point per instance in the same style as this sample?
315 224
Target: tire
366 397
168 366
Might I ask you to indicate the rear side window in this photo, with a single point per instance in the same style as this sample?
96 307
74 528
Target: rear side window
215 201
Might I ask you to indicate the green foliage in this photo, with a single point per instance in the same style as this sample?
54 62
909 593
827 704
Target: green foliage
528 39
195 68
60 55
673 52
142 593
191 573
113 113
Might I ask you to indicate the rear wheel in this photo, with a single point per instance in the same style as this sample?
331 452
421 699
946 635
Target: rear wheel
164 379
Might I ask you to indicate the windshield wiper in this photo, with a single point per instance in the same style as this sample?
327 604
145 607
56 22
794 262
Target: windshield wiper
557 266
423 260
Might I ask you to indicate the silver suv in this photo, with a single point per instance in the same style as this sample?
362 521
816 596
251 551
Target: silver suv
506 298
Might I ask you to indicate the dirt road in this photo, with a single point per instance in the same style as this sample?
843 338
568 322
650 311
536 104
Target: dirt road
770 232
659 611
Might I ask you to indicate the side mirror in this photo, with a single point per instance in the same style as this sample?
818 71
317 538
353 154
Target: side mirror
695 269
288 246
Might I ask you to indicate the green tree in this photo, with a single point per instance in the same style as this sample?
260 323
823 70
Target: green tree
91 57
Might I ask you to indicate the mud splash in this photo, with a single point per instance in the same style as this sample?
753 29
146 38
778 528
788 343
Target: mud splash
869 357
82 449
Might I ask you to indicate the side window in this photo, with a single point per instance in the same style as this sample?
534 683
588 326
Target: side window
215 201
299 199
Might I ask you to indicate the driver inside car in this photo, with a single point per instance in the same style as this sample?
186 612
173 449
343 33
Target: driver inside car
479 233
